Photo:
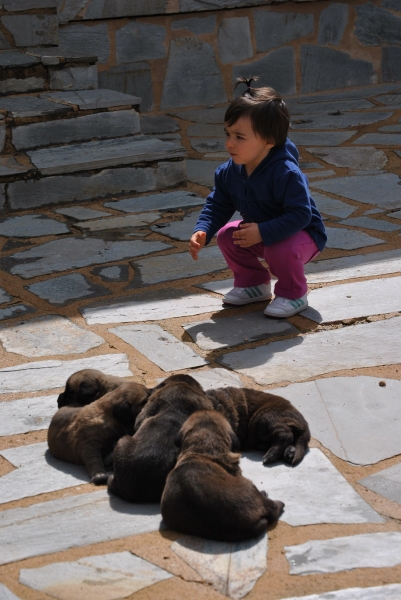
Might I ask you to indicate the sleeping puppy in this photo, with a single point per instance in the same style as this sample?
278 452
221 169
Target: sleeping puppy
264 421
83 387
206 494
85 435
143 461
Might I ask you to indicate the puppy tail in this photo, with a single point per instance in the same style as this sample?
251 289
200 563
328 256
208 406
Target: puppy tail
301 447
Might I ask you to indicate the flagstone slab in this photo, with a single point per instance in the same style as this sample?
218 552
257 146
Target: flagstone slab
48 335
353 300
202 171
379 139
31 226
389 99
140 220
31 106
350 267
337 121
349 414
327 497
395 215
320 138
16 310
49 374
387 483
74 253
370 550
316 105
382 592
208 144
169 304
176 199
72 522
8 164
116 575
160 347
182 230
331 206
66 289
114 273
240 329
328 173
354 158
214 130
347 239
5 593
230 568
88 99
81 213
27 414
382 190
212 379
202 115
373 224
4 296
366 345
177 266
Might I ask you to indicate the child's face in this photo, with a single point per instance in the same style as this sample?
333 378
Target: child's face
245 146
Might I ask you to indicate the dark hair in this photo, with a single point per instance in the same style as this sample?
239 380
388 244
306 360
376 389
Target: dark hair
264 107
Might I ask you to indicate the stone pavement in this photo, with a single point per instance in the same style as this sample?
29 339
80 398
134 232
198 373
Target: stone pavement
109 284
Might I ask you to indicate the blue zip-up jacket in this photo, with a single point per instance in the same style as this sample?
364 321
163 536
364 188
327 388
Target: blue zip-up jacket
275 196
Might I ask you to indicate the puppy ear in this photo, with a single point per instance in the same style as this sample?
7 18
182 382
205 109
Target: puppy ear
87 392
235 443
122 412
178 440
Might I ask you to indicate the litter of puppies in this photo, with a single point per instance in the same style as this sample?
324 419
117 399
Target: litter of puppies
179 445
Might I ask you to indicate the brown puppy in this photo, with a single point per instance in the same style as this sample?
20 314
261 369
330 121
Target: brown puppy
83 387
143 461
264 421
85 435
206 494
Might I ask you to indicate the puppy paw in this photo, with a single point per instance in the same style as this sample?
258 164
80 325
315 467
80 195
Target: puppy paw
272 455
289 454
99 479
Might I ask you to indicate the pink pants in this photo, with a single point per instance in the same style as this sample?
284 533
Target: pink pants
286 259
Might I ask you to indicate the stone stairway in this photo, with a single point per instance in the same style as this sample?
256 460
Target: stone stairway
62 139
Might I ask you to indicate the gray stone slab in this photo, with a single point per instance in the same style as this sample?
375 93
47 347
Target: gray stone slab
2 137
332 23
29 226
131 78
160 347
69 9
331 206
318 106
202 171
369 550
382 592
208 144
4 45
349 414
328 173
334 121
47 336
73 253
355 158
234 40
379 139
276 69
81 213
16 310
4 296
362 92
87 99
309 165
80 187
49 374
347 239
182 230
137 220
114 273
66 289
376 26
390 129
390 99
9 166
167 306
206 130
392 4
274 29
27 414
32 30
158 124
320 138
391 70
117 575
6 594
394 215
203 115
326 69
367 223
103 153
137 41
386 482
366 345
72 522
23 5
196 25
177 266
230 568
16 58
74 78
91 40
21 86
382 191
102 9
240 329
328 497
2 198
31 106
175 199
203 82
374 211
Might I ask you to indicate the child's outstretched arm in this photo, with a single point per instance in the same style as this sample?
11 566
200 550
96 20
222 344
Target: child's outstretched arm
196 243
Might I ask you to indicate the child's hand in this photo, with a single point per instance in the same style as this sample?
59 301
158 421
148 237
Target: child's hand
247 235
197 241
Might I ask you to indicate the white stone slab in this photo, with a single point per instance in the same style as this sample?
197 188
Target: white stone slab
349 239
160 347
176 199
212 379
67 288
355 158
387 483
370 550
358 299
382 592
374 224
66 523
116 575
231 569
239 329
139 220
31 226
133 310
37 472
4 297
49 374
5 593
348 415
27 414
366 345
81 213
314 492
46 336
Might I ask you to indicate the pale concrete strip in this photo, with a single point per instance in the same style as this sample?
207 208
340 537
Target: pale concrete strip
382 592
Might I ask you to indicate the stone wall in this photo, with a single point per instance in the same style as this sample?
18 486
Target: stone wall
176 59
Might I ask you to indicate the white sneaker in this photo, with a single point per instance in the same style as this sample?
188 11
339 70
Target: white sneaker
256 293
284 307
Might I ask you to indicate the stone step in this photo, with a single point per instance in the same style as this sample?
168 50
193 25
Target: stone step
26 23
